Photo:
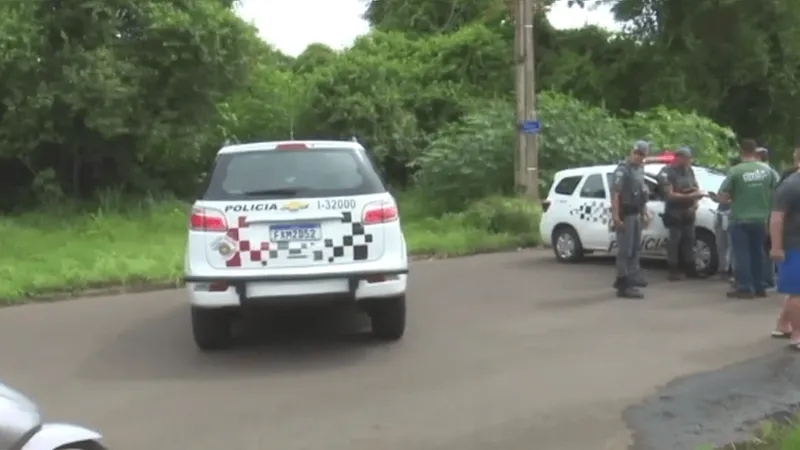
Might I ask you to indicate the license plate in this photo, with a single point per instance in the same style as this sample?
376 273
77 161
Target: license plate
295 232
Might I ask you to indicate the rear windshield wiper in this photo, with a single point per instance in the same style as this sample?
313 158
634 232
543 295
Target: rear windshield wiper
284 191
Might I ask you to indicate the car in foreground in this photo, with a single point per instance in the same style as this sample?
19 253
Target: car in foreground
22 427
577 211
294 223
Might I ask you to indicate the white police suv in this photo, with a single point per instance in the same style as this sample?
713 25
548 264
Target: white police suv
287 223
577 212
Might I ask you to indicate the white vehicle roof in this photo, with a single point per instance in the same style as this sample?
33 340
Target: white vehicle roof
272 145
709 179
649 168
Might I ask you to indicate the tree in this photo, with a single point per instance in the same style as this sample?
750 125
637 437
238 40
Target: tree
736 60
425 17
115 93
314 56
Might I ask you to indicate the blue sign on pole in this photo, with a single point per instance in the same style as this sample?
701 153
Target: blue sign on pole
531 127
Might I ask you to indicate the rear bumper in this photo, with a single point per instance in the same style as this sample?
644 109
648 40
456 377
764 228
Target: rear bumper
296 289
292 277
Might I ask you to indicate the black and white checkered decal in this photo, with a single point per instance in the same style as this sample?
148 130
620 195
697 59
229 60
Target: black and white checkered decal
352 246
596 211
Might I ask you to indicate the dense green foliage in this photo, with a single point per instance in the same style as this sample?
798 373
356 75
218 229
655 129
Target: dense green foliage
136 96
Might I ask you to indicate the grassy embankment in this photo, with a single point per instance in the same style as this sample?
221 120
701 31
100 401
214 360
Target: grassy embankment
771 436
130 243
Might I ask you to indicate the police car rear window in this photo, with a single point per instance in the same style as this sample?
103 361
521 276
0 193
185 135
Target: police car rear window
317 172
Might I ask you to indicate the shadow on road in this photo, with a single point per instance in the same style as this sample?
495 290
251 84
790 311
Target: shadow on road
590 260
310 339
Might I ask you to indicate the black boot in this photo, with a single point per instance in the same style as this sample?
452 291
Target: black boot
675 274
626 289
639 282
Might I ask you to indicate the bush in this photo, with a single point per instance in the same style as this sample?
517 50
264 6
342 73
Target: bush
474 158
513 215
470 159
666 128
491 224
576 134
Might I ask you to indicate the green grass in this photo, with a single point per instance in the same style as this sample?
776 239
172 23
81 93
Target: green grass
60 251
771 436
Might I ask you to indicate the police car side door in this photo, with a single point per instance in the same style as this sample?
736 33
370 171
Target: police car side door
593 211
654 236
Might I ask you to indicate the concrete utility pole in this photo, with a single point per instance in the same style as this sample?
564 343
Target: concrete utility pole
520 177
526 174
531 140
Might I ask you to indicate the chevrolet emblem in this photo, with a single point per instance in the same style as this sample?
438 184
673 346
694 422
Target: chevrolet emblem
294 206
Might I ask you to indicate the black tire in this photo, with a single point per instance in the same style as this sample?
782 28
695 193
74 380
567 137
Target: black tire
709 240
568 231
211 328
388 317
83 445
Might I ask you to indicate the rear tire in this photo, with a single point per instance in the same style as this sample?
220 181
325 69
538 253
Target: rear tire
388 316
211 328
567 244
709 241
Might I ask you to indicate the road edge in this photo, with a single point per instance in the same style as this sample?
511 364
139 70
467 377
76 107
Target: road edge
133 287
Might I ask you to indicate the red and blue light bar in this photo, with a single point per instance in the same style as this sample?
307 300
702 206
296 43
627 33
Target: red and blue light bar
665 157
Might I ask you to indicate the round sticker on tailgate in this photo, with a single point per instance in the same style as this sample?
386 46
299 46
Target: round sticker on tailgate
225 247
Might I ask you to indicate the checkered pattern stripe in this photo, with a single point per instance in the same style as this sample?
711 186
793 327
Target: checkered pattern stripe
352 245
244 248
593 211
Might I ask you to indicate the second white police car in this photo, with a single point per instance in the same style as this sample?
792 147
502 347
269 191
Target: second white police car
577 212
287 223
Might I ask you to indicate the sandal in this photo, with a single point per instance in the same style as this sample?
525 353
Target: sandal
778 334
794 345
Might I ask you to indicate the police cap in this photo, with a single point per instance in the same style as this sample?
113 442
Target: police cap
642 147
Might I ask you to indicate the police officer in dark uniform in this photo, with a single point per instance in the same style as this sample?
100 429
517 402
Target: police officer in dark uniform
680 188
629 215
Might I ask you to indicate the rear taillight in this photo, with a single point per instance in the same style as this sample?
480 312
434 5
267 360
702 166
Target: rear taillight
206 219
379 212
545 205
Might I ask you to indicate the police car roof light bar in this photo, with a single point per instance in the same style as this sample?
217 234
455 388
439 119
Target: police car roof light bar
666 157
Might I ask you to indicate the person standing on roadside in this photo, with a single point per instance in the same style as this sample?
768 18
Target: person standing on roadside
786 173
763 156
723 235
629 215
680 188
748 188
785 251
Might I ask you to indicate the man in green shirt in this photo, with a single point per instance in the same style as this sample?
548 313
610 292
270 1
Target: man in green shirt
748 189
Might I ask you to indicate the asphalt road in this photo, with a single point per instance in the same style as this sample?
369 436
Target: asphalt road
504 351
